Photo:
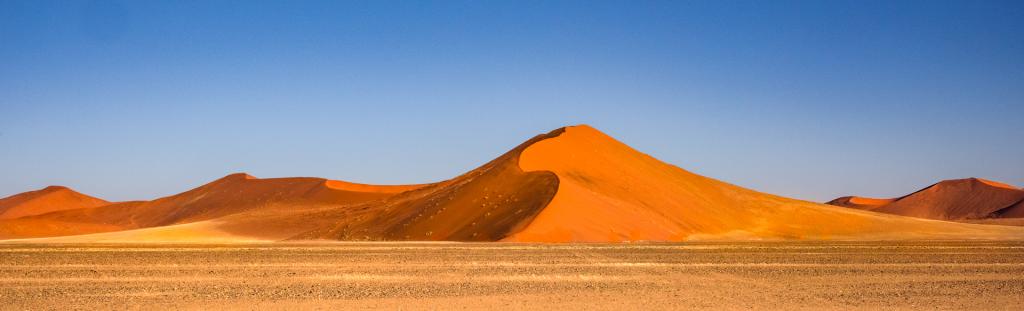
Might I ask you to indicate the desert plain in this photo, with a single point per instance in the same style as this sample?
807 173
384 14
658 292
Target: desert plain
813 275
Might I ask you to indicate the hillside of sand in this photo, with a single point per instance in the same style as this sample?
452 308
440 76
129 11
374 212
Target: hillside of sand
573 184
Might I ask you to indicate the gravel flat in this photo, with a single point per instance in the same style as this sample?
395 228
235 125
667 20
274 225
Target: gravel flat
777 275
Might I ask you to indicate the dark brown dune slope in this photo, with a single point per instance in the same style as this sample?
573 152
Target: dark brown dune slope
958 199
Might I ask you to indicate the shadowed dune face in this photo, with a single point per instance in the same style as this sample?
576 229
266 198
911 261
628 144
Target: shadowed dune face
571 185
49 199
1015 211
958 199
486 204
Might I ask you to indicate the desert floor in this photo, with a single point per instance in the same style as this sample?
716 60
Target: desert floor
783 275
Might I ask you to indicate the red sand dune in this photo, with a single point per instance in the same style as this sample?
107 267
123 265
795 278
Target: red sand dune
573 184
958 199
49 199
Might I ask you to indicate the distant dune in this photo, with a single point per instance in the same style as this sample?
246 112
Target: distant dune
49 199
969 200
573 184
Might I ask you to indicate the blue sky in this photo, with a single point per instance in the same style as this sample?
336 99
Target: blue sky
809 99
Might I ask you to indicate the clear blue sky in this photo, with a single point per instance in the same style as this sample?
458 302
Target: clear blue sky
810 99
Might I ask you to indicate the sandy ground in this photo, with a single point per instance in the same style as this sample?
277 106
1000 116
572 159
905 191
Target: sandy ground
783 275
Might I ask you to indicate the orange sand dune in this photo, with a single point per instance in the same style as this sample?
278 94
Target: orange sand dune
49 199
573 184
958 199
610 192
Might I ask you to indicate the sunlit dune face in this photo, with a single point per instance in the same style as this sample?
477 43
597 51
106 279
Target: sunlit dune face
596 199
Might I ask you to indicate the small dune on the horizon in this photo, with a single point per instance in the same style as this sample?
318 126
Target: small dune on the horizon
973 200
574 184
49 199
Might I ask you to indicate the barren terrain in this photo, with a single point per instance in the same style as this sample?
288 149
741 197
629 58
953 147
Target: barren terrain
408 275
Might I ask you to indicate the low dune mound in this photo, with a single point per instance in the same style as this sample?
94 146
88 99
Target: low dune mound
860 202
49 199
957 199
